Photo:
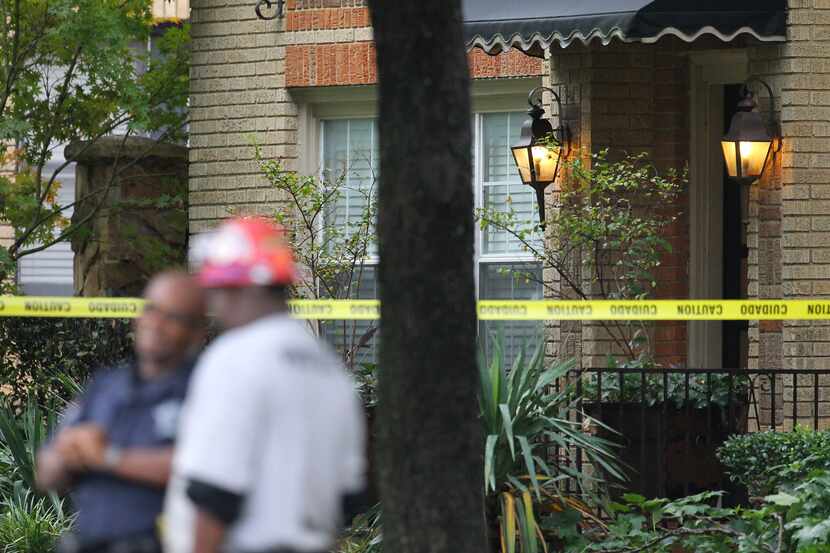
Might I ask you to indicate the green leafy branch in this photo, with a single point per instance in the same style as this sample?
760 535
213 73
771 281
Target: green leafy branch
605 235
332 253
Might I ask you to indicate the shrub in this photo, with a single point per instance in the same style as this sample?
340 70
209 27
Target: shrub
522 417
364 534
36 352
757 460
794 520
698 392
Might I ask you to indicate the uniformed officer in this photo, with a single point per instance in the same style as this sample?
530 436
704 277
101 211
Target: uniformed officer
271 443
114 447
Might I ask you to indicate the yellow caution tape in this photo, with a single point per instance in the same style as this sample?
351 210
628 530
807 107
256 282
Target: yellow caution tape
32 306
657 310
599 310
488 310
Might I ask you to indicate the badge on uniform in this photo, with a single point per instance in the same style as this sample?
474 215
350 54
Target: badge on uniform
166 418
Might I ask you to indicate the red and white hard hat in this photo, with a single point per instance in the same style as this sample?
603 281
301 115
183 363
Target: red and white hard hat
245 251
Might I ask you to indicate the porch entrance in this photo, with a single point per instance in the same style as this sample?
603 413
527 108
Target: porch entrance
734 334
717 211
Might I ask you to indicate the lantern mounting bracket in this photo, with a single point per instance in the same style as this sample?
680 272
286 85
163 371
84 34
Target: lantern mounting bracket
278 4
748 94
562 133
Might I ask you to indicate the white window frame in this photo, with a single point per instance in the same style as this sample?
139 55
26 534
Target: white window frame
316 104
478 188
370 260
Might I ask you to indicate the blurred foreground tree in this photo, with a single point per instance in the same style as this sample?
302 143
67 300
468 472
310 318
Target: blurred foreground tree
430 438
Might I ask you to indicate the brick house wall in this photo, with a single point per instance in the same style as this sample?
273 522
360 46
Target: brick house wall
631 98
790 217
243 72
247 73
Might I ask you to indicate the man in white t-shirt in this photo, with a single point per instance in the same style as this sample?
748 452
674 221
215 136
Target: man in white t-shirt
271 444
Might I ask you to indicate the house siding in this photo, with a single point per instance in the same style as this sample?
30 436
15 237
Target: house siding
50 271
790 208
241 80
631 98
628 96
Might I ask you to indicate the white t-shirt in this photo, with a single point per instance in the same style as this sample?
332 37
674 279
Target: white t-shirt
271 415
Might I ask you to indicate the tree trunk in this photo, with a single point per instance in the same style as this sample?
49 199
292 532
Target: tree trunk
430 446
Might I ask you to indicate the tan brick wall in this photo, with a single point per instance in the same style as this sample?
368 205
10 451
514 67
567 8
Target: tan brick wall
790 211
764 224
633 98
237 95
794 250
570 75
242 73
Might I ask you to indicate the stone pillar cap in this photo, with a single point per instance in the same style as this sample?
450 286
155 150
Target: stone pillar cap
108 148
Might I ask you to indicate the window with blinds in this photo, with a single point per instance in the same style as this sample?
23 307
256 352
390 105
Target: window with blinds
350 156
349 335
350 160
501 188
506 270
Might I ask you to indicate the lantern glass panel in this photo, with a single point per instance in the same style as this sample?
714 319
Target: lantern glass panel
753 157
522 156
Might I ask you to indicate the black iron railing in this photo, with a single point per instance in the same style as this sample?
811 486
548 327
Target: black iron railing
671 421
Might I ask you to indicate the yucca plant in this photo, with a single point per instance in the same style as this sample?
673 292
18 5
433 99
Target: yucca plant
364 534
523 416
31 524
22 432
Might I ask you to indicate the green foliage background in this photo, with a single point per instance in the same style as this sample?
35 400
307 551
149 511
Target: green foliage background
78 70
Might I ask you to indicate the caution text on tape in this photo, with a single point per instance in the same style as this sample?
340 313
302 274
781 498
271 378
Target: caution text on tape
490 310
30 306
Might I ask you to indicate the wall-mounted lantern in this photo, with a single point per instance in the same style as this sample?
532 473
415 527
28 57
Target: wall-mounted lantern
750 140
279 6
540 147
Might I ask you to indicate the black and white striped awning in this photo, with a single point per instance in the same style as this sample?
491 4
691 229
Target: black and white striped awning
533 26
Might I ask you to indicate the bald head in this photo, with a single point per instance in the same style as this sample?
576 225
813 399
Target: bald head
172 326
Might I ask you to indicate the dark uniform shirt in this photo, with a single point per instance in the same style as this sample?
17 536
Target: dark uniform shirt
134 413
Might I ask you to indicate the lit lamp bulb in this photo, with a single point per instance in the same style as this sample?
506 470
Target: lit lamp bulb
544 163
540 155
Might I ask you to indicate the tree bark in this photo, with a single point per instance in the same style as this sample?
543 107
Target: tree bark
430 449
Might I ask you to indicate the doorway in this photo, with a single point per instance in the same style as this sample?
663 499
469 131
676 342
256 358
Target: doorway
717 233
734 334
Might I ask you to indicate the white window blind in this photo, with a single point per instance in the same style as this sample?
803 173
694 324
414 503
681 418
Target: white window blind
350 160
500 183
511 281
506 270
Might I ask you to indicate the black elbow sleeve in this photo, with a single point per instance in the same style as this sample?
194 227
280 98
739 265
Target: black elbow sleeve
222 504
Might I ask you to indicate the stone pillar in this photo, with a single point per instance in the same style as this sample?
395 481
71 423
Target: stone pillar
132 208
